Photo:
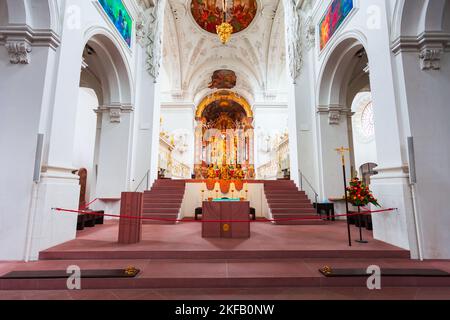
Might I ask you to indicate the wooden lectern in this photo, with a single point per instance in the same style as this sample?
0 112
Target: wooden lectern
130 230
219 219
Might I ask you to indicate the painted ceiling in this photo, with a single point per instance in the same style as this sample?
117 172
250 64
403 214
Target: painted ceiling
209 13
256 55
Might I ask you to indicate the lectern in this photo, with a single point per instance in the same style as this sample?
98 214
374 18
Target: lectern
130 224
226 219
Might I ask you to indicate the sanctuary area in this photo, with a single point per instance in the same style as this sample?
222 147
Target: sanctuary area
291 148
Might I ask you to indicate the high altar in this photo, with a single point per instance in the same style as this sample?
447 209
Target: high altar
224 139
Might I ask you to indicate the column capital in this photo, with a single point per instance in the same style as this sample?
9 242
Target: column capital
19 40
335 113
115 111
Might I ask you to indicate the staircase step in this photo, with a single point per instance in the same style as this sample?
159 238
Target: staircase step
160 210
289 206
164 201
246 273
309 211
163 196
168 205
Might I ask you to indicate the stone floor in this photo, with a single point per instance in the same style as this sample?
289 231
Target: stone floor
304 293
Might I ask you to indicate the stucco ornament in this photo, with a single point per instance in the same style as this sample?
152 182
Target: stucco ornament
149 35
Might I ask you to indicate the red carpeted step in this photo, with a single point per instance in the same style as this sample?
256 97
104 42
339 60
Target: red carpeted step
310 211
163 201
161 210
287 202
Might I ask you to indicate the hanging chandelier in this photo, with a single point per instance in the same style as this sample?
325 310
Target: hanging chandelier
225 29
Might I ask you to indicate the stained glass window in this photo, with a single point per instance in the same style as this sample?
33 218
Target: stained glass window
119 16
367 121
333 19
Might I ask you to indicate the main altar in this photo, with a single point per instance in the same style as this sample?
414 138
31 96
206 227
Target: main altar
224 142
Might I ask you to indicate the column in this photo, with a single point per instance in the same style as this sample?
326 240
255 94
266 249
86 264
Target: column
114 150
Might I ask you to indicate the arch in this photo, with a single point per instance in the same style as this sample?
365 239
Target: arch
334 74
112 68
414 17
40 14
229 95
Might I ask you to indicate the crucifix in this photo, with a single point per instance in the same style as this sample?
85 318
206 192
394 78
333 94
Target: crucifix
342 151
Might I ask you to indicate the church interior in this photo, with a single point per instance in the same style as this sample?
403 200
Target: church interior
217 149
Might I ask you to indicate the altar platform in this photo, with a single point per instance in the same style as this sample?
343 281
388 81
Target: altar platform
184 240
176 256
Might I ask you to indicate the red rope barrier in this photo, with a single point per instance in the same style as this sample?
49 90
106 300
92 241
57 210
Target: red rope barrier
224 221
87 205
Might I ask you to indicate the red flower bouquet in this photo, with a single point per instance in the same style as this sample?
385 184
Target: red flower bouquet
359 194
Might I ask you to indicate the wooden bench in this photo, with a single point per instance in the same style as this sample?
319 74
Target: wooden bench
86 220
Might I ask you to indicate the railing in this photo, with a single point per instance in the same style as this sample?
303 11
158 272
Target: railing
268 170
179 170
145 178
302 179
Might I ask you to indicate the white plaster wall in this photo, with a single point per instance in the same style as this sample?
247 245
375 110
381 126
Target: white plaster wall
427 95
24 90
85 133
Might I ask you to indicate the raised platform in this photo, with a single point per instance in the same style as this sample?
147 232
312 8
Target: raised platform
176 256
184 241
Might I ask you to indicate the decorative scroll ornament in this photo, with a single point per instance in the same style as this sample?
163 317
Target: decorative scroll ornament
294 40
19 52
149 35
430 58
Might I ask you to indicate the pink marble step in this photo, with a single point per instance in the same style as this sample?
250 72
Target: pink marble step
157 196
163 200
290 205
245 272
161 205
206 254
309 210
289 201
160 210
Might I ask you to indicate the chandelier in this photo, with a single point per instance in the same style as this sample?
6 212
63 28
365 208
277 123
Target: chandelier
225 29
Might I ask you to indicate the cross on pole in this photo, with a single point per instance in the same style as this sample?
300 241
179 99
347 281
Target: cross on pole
342 151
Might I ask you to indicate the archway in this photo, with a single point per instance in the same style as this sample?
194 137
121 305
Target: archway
344 76
224 140
105 81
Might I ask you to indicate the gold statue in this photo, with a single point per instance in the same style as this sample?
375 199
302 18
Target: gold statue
239 173
211 172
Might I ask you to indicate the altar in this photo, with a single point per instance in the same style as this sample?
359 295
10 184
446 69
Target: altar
226 219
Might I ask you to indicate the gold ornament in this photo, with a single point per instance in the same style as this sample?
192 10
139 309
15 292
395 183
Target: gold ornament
326 270
131 271
224 31
226 227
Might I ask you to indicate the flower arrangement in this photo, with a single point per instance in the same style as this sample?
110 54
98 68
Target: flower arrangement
359 194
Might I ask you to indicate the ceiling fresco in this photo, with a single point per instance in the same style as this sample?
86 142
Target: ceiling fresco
209 13
223 79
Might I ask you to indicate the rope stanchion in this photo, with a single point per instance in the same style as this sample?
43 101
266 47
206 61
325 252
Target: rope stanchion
305 218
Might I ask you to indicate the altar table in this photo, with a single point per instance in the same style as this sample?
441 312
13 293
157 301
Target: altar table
228 212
